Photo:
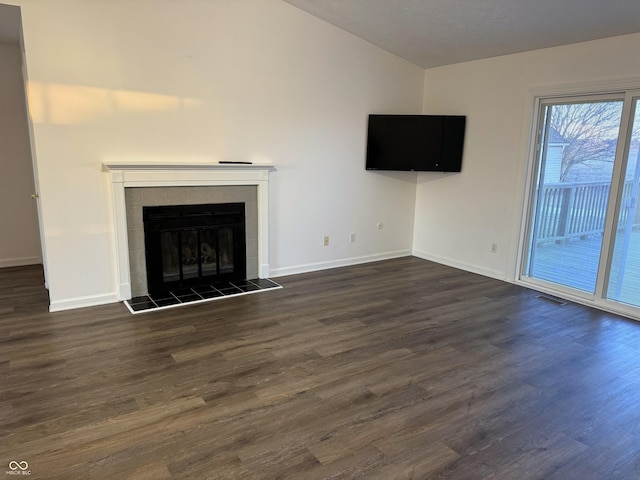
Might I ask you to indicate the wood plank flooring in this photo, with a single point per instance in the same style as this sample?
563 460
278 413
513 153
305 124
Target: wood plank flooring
401 369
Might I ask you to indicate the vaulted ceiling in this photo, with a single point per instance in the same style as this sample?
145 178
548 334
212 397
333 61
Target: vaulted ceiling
9 24
432 33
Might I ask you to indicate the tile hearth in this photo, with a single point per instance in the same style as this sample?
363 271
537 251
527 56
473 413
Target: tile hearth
200 294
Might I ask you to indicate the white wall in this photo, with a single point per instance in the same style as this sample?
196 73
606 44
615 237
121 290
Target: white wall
19 238
225 79
459 216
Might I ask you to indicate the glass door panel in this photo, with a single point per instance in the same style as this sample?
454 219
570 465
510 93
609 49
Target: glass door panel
208 252
624 276
226 254
575 169
189 254
170 242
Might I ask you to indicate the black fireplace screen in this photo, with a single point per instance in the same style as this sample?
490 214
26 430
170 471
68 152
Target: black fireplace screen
189 245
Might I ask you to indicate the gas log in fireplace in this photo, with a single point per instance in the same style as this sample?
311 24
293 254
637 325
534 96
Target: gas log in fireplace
192 245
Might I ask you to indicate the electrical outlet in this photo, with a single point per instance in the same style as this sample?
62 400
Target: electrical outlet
352 237
494 247
325 241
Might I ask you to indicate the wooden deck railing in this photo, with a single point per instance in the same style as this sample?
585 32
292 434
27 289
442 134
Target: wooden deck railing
569 210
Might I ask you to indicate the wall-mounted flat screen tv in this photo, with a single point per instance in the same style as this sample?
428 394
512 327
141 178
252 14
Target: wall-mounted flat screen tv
420 143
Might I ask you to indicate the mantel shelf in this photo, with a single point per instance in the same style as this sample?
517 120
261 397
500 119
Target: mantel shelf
127 165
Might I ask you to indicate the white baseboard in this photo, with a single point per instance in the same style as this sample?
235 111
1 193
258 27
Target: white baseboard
82 302
314 267
94 300
19 262
486 272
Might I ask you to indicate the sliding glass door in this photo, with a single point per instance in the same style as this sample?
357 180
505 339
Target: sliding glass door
584 220
624 278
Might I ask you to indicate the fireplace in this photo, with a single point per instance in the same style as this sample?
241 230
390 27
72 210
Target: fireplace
193 245
134 180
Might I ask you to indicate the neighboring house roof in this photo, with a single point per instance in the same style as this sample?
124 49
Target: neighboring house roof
556 138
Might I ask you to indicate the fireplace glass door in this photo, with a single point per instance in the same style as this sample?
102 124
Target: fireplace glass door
191 245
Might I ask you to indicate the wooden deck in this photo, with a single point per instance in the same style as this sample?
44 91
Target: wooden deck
402 369
574 263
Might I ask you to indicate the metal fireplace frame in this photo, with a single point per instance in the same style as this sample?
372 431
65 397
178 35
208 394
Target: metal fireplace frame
194 223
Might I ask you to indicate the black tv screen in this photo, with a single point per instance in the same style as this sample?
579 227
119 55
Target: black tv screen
420 143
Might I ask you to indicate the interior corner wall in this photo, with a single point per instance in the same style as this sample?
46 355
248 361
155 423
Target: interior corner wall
185 80
459 216
20 241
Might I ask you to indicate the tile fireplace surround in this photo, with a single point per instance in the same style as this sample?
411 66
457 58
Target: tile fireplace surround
166 174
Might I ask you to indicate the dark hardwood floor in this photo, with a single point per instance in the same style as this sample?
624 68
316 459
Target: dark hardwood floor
400 369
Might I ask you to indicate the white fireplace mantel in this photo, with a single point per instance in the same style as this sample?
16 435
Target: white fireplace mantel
167 174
